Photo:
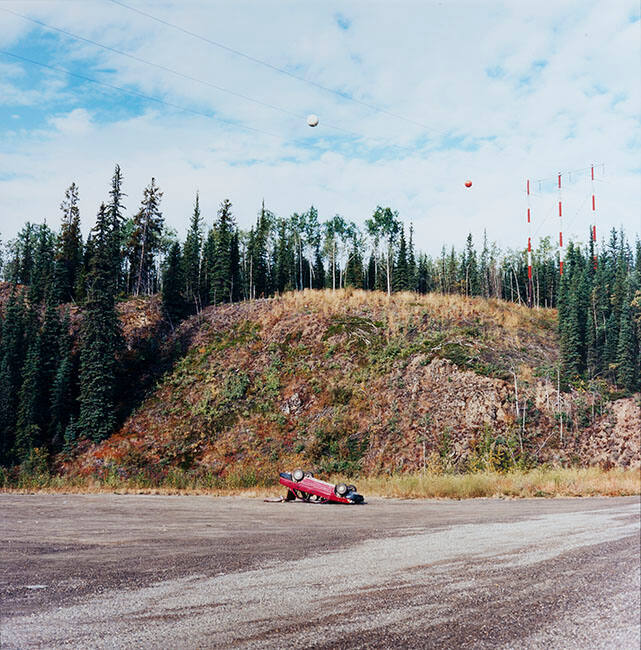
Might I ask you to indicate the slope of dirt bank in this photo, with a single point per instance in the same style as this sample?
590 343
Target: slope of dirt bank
355 381
614 440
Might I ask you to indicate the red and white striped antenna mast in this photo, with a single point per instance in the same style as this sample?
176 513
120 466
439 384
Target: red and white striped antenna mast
593 233
529 247
593 236
561 250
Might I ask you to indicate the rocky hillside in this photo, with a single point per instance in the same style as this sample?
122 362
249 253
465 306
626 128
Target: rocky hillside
358 382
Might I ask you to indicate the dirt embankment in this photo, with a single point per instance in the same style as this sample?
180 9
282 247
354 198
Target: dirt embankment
355 381
614 440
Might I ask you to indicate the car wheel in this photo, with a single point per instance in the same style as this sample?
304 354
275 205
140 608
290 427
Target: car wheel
341 489
298 475
351 488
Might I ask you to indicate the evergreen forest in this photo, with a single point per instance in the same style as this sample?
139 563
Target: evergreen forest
59 386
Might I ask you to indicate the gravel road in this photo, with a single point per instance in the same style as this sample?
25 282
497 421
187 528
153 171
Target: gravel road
121 571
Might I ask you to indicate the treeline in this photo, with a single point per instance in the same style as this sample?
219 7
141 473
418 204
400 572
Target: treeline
55 391
599 306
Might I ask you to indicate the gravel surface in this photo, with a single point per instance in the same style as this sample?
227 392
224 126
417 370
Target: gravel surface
120 571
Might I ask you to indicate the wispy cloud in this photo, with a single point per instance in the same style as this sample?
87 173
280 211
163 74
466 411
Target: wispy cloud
492 92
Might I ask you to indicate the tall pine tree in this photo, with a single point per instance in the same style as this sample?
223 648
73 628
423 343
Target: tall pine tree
192 259
12 356
100 341
115 210
145 241
69 255
172 285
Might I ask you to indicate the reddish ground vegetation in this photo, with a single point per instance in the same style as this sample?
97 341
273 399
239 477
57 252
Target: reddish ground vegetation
357 382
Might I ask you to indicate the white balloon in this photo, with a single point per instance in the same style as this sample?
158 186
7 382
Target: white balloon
312 120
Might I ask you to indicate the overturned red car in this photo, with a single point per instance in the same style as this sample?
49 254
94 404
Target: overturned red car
302 485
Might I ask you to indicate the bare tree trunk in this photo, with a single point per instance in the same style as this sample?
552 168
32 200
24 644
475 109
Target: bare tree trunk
300 261
334 265
389 278
516 281
558 405
516 394
142 255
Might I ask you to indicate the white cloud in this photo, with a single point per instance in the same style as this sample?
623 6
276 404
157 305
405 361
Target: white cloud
77 122
425 61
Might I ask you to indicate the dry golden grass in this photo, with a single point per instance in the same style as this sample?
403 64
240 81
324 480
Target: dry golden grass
400 306
580 482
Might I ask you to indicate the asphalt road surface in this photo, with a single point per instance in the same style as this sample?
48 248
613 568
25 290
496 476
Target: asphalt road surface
119 571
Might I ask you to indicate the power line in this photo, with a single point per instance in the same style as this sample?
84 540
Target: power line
137 94
191 78
148 97
275 68
540 181
146 62
167 69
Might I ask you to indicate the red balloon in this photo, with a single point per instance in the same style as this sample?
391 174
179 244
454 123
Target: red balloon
468 183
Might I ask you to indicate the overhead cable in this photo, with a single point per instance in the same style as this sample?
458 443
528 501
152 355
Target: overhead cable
137 94
275 68
191 78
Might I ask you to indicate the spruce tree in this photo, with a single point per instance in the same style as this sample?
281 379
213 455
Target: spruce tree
284 264
371 273
80 290
192 258
469 269
221 269
412 270
12 354
207 269
484 268
570 359
43 268
28 430
260 280
312 240
69 255
25 248
62 388
172 285
319 270
234 271
627 348
115 210
401 276
593 358
422 280
144 240
100 341
354 274
336 231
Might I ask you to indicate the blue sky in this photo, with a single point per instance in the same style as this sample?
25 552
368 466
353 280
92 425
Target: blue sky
414 98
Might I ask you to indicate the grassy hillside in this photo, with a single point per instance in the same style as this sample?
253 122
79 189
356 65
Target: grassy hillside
354 382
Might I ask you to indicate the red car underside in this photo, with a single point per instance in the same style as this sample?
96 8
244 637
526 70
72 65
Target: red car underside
313 487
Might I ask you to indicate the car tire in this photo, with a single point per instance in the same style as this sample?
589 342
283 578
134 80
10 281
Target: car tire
298 475
351 488
341 489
